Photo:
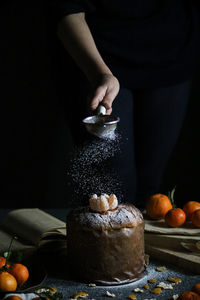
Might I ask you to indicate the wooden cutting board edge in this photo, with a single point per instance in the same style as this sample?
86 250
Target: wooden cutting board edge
168 241
187 262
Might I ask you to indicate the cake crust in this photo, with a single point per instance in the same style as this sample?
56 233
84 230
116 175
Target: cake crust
107 249
126 215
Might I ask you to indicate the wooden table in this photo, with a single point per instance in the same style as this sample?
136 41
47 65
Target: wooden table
68 287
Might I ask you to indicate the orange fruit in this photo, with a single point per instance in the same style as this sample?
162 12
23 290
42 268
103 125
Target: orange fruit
8 283
190 207
13 297
2 261
189 296
175 217
20 272
196 288
157 206
195 218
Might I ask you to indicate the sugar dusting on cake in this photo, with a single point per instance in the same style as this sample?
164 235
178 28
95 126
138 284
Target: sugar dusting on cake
90 170
126 215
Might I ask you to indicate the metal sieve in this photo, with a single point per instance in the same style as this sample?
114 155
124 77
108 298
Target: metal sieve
101 125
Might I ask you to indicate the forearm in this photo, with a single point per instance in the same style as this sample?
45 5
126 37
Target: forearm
78 41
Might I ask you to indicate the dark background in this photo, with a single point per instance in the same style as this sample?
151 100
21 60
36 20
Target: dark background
35 138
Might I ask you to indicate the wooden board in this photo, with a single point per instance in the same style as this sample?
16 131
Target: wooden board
182 259
169 241
173 245
160 227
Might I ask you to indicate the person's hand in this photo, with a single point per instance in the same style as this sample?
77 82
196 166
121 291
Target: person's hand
105 91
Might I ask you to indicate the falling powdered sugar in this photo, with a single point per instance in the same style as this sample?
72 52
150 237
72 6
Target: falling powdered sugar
108 135
90 170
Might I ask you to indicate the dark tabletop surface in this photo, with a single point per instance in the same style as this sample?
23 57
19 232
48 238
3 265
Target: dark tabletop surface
69 287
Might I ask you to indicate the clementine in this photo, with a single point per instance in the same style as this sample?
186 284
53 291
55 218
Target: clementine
157 206
13 297
190 207
196 288
8 283
189 296
195 218
175 217
2 261
20 272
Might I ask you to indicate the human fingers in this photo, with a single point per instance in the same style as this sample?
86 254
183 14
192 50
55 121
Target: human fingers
97 97
109 111
108 100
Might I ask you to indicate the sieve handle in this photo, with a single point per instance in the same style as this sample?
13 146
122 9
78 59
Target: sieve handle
101 110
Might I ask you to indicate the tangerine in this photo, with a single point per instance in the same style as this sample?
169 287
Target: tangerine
2 261
20 272
189 296
175 217
190 207
157 206
13 297
8 283
195 218
196 288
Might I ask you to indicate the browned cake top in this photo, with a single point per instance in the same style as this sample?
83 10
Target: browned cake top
126 215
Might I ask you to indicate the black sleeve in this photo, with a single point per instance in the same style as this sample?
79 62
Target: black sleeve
197 3
60 8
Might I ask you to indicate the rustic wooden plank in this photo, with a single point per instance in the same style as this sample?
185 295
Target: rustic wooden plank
169 241
182 259
159 226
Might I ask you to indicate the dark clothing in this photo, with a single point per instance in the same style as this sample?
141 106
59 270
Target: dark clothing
146 43
150 124
151 47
